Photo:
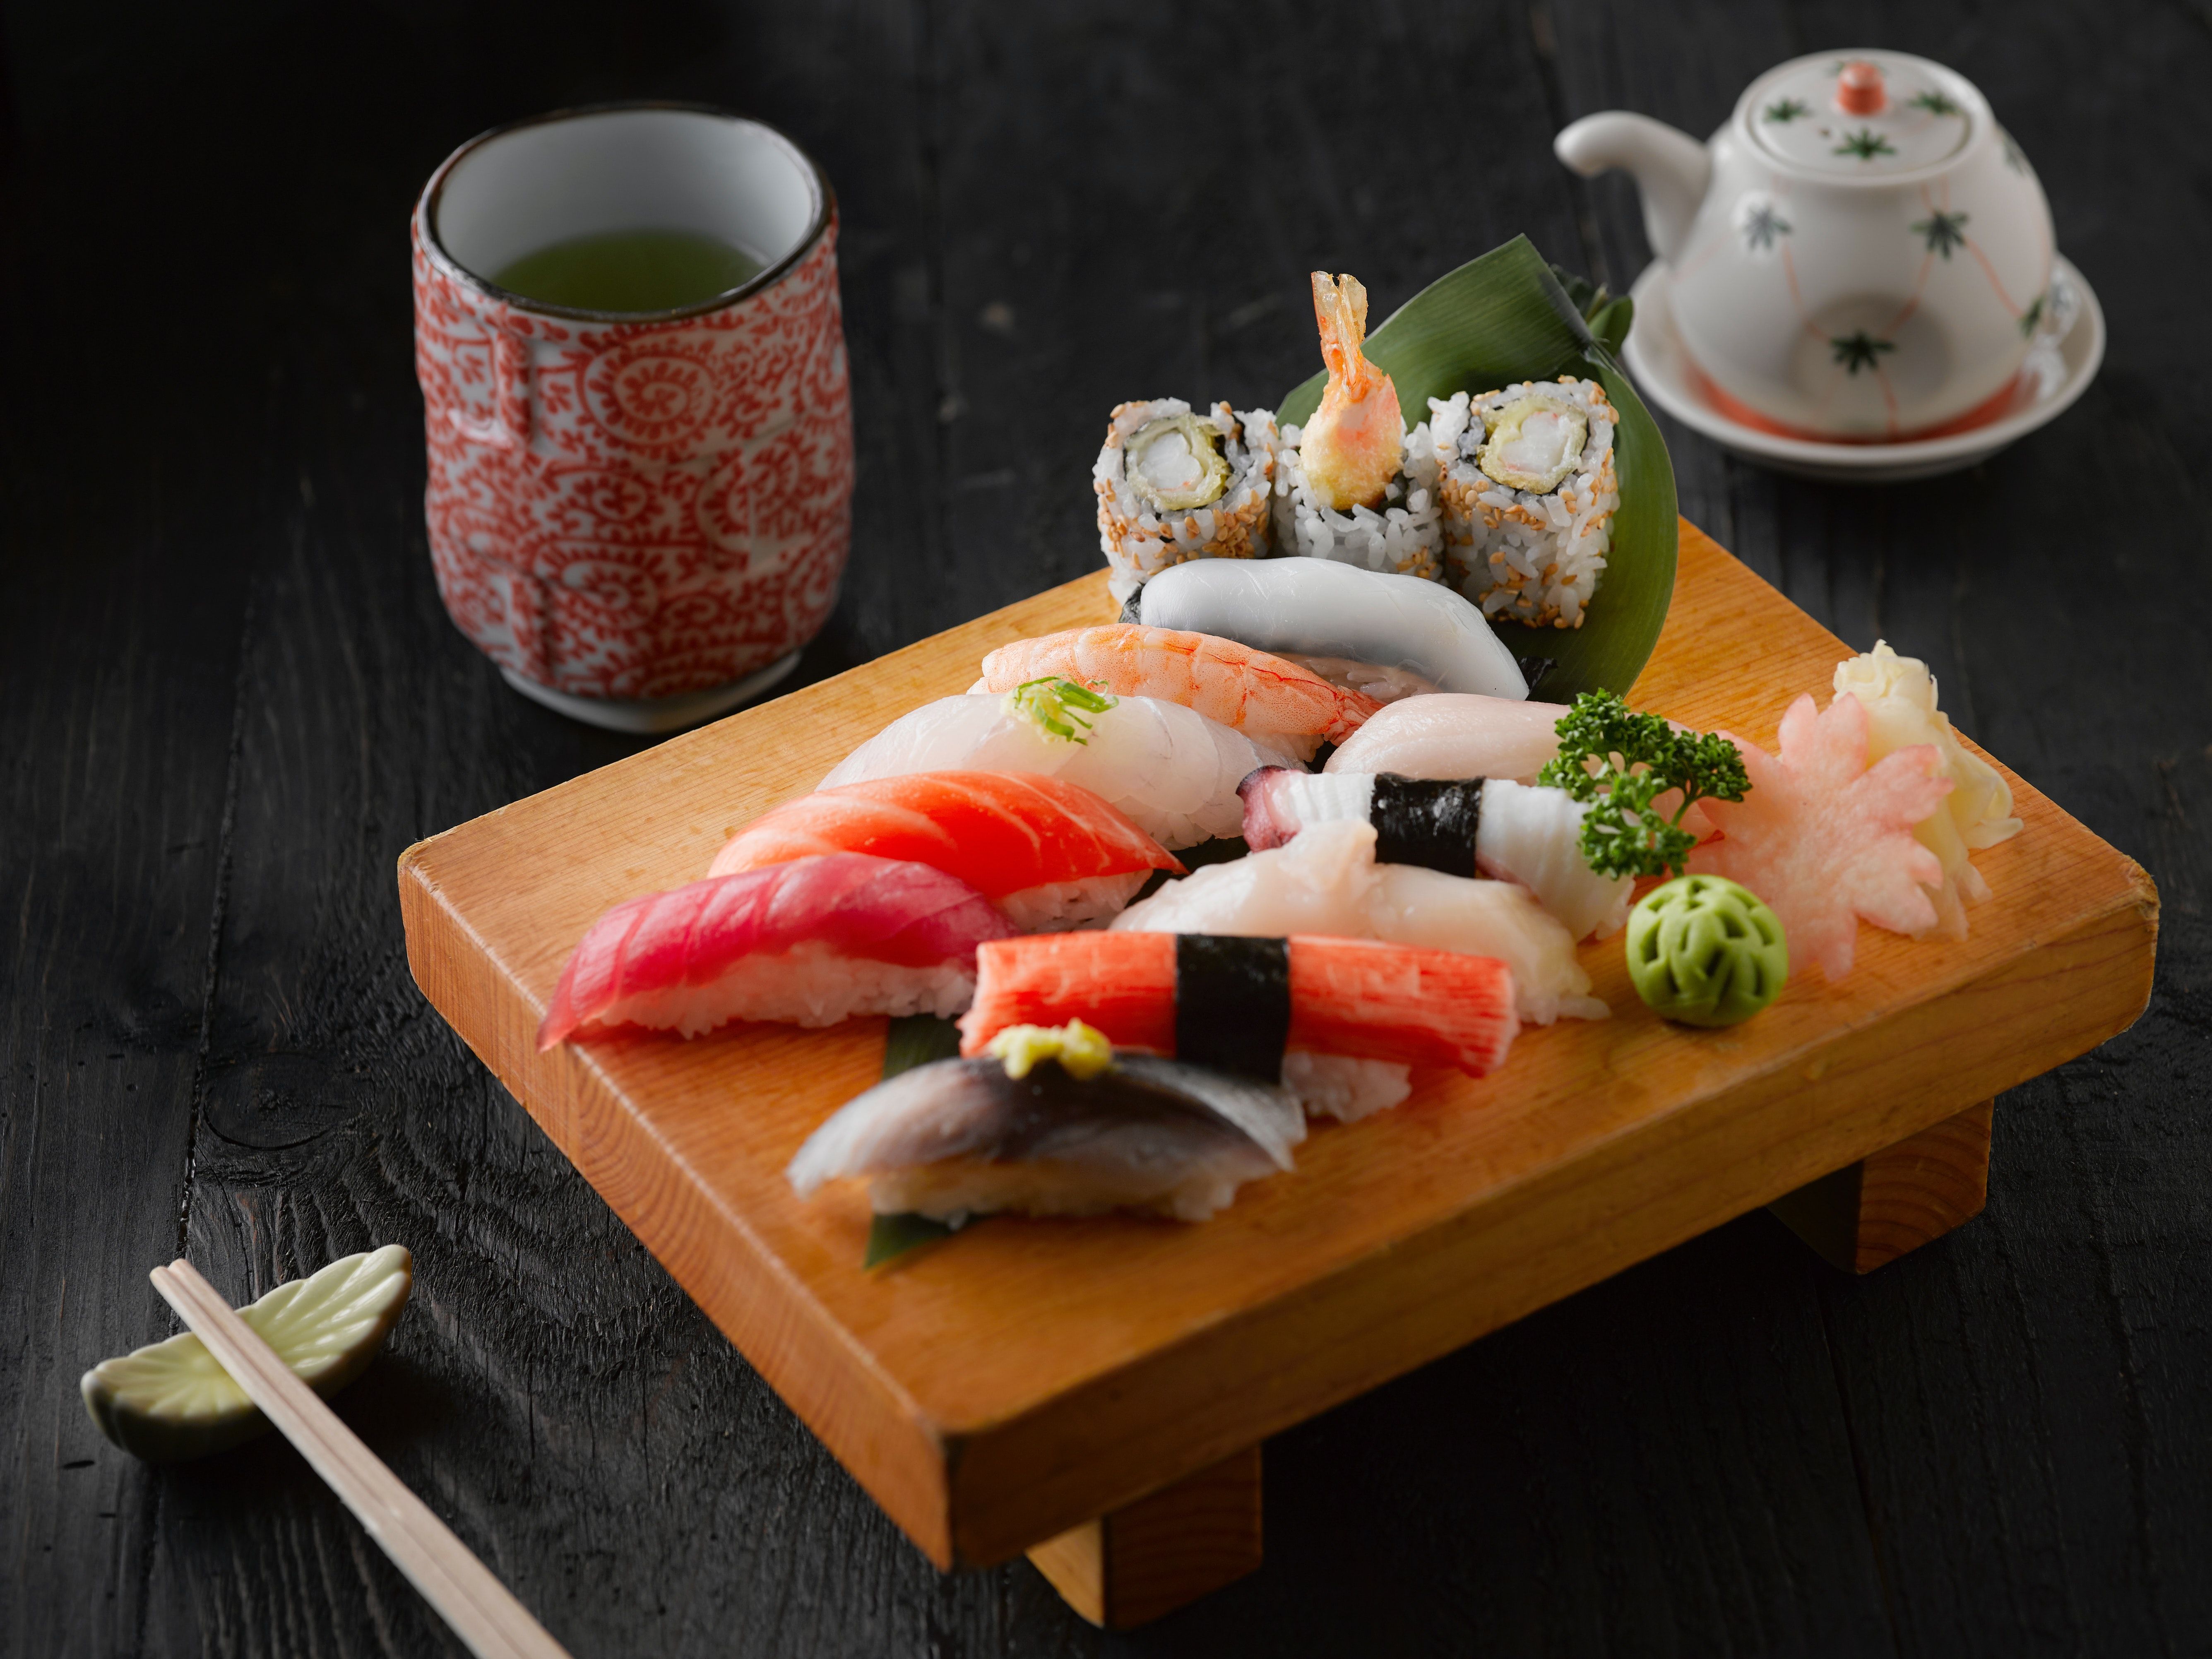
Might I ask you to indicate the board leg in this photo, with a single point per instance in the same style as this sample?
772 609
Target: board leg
1873 1211
1130 1566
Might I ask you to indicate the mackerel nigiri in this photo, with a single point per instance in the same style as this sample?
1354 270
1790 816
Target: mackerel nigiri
1269 700
1522 832
958 1138
1172 770
1327 881
809 942
1050 854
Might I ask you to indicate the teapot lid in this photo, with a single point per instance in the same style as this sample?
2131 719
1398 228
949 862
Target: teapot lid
1863 114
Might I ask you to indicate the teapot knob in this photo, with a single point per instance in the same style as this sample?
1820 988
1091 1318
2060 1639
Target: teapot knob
1859 90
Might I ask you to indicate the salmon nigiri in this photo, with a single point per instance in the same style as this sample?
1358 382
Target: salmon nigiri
1050 854
1269 699
811 942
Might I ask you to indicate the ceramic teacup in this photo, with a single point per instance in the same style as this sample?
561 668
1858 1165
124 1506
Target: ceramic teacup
640 517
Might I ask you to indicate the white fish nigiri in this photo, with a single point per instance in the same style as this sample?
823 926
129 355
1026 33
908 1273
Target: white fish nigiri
1521 832
1322 608
1450 736
1327 881
1170 769
963 1137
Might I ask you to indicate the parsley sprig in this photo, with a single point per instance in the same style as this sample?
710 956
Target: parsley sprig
1620 761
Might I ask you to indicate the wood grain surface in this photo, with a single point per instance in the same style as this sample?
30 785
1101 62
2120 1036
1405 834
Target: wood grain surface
1030 1376
232 698
1162 1552
1867 1214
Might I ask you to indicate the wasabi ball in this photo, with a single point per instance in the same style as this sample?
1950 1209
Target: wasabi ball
1705 950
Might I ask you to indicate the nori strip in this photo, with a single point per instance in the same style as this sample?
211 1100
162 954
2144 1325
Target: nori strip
1233 1003
1133 609
1535 670
1430 823
913 1039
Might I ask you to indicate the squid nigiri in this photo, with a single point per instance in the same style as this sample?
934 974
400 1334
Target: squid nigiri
1243 1003
1050 854
1323 608
1455 736
1522 832
1328 881
1269 700
958 1138
1173 771
811 942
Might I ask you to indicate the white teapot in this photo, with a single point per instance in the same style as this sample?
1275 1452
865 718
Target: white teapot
1860 253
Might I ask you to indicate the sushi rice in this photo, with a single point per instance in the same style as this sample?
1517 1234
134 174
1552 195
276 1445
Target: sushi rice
1527 556
1141 539
1404 536
809 984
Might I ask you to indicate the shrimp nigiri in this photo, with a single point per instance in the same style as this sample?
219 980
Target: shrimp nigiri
1272 702
1050 854
1353 446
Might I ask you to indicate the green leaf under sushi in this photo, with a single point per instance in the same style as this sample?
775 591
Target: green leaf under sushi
1502 319
913 1039
892 1235
916 1039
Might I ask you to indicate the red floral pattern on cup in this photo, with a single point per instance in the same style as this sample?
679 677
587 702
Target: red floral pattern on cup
638 509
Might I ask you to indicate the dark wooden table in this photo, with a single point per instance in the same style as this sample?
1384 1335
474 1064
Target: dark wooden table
231 698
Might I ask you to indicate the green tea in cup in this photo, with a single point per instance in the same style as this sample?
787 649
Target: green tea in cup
631 270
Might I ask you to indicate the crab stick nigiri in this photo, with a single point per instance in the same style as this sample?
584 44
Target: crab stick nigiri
1050 854
1242 1002
811 942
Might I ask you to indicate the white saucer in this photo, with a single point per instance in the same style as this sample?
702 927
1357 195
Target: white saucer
2060 365
654 715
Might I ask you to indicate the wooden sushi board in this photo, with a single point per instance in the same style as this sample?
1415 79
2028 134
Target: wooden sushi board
1025 1377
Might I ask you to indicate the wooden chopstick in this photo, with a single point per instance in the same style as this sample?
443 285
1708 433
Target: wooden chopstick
483 1614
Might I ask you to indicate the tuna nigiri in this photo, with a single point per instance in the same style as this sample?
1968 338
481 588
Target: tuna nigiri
958 1138
1173 771
1522 832
1455 736
1050 854
811 942
1268 700
1241 1004
1327 881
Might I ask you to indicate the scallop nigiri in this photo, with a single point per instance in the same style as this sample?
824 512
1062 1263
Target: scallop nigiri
1522 832
1455 736
958 1138
1327 881
1050 854
1269 700
811 942
1171 769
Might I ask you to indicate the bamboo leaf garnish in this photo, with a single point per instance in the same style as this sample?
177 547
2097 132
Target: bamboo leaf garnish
914 1040
1502 319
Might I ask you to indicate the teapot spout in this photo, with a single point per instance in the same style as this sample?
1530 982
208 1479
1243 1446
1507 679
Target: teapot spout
1671 168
